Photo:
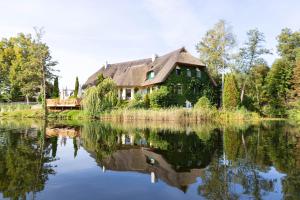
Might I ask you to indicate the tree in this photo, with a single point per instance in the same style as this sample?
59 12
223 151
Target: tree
256 91
160 98
100 98
250 55
296 80
215 48
231 93
76 87
21 58
288 44
55 93
278 85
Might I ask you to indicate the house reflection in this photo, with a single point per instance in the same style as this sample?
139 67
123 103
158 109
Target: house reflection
140 159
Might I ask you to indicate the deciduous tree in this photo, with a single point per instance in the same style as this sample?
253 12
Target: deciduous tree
215 48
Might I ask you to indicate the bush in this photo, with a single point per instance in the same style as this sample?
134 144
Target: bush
136 102
147 101
231 97
203 103
160 98
100 98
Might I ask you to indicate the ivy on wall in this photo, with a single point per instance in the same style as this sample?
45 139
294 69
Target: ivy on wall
191 88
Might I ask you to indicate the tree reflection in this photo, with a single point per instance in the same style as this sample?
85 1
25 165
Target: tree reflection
24 162
249 152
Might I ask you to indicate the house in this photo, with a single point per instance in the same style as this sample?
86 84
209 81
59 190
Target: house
185 76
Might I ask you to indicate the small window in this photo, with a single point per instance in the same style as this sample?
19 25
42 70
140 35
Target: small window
188 73
178 71
150 75
179 89
128 93
198 73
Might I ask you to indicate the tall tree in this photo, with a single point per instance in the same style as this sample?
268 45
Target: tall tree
231 93
55 93
256 91
215 48
288 44
278 86
76 87
43 63
296 79
250 55
20 60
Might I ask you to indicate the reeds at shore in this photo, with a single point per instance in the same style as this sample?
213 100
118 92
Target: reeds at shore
180 115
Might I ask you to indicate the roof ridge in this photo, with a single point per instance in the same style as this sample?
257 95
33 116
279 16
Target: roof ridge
130 61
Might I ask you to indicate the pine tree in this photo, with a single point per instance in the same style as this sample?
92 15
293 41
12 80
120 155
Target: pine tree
55 93
76 88
231 98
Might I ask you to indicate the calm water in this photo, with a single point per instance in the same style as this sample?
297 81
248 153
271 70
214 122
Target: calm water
76 160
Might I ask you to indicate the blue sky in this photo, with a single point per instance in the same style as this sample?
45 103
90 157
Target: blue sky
83 34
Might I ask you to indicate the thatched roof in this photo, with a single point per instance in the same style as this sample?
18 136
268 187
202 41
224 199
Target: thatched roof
134 73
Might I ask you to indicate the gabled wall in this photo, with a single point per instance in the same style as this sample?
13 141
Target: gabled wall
192 87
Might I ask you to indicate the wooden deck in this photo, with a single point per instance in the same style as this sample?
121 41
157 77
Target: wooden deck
74 103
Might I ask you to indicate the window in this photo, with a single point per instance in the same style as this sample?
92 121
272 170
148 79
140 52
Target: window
188 73
179 89
198 73
128 93
150 75
178 71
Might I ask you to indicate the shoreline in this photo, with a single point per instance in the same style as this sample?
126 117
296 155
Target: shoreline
178 115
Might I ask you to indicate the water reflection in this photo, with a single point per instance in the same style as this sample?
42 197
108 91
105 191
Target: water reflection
259 161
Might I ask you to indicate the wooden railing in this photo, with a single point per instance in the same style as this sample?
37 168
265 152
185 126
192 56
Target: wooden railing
72 102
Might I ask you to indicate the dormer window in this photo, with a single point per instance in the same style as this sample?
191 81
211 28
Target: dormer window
188 73
150 75
178 71
198 73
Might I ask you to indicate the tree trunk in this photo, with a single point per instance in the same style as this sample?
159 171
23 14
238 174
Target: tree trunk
243 92
44 92
27 99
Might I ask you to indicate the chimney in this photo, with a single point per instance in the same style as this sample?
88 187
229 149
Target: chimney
106 65
154 56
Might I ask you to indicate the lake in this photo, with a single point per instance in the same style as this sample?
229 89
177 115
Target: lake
94 160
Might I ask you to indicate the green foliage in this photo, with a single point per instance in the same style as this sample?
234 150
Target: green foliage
278 86
100 78
203 103
248 57
100 98
76 88
215 47
136 102
160 98
55 93
288 44
22 60
192 87
295 93
147 101
231 93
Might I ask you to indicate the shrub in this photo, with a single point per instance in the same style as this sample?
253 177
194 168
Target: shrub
160 98
100 98
203 103
147 101
231 97
136 102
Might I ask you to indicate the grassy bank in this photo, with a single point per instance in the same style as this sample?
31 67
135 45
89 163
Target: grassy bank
180 115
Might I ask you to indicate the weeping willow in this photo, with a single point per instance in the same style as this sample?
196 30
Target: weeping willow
100 98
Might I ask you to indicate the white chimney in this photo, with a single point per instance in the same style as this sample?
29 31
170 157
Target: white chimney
154 56
106 65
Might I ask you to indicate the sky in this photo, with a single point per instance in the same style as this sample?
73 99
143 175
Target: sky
84 34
